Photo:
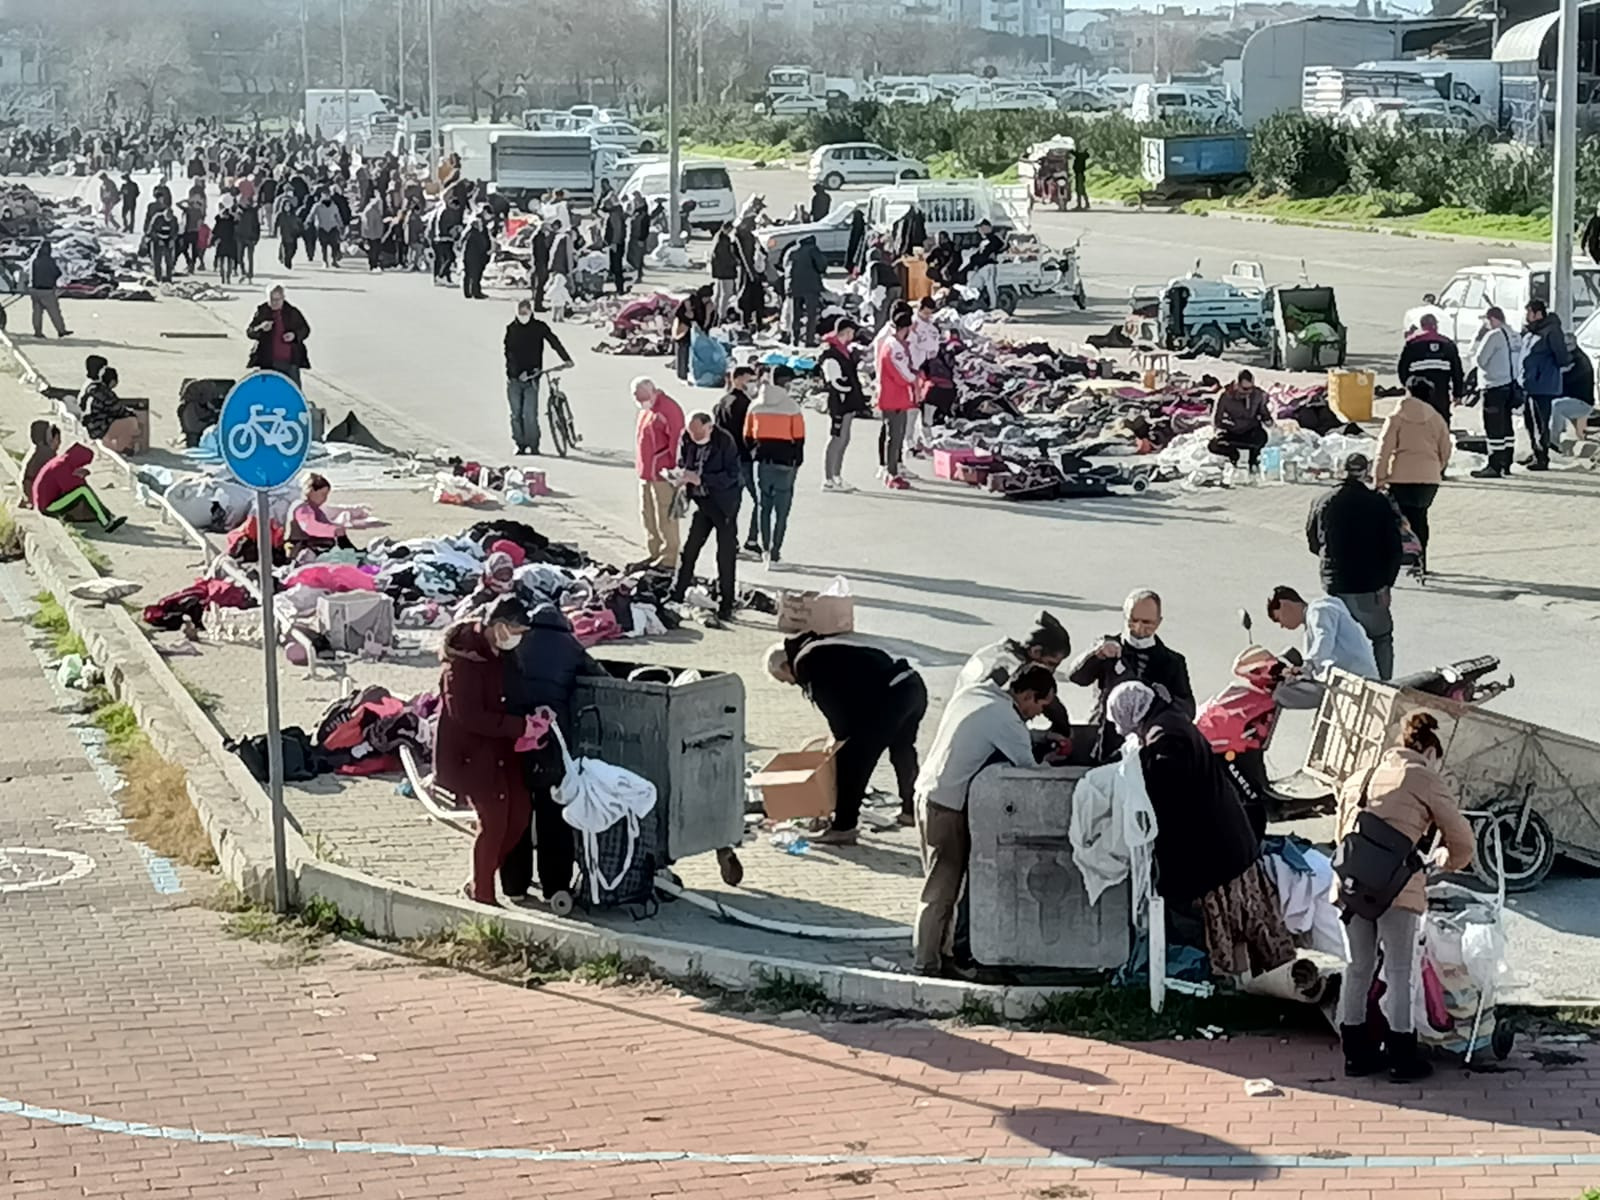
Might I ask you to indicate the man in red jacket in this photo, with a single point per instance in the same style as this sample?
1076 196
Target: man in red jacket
659 428
897 395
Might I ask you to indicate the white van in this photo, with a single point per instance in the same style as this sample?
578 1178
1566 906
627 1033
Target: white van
705 181
953 206
1153 101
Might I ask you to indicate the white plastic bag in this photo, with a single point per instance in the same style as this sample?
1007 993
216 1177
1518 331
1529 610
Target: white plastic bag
594 796
452 489
837 586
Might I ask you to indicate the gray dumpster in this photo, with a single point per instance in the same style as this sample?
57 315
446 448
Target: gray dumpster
1026 896
687 739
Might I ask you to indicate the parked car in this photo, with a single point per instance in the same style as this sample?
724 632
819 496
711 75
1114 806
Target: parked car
988 97
832 234
796 106
1508 283
1155 101
620 133
1082 100
861 162
705 182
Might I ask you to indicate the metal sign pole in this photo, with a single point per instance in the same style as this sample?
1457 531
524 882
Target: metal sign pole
269 643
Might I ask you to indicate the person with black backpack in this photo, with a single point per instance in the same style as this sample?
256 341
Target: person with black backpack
1385 814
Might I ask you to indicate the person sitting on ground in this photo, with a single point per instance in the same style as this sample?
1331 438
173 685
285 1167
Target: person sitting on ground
1136 653
1207 855
983 723
46 439
310 529
873 702
1407 792
92 366
1046 646
1241 417
61 489
1334 639
106 418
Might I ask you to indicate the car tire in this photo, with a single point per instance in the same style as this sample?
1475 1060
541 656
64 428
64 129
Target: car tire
911 176
832 181
646 148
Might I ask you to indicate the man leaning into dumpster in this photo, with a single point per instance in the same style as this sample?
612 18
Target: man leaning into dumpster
873 702
982 724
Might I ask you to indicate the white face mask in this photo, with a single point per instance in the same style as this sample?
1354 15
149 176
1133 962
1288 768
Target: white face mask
505 640
524 317
1139 643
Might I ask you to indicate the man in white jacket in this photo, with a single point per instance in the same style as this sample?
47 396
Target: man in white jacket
981 724
1496 354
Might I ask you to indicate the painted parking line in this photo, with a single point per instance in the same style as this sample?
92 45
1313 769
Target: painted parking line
1057 1162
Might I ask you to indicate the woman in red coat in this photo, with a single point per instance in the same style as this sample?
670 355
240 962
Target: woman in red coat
475 753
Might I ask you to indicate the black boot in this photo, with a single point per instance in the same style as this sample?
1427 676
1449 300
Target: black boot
1406 1065
1361 1056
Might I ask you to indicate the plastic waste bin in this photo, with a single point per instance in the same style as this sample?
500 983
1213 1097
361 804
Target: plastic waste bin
686 738
1027 899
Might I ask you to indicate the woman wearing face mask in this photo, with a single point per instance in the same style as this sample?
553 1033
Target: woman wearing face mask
475 755
1406 792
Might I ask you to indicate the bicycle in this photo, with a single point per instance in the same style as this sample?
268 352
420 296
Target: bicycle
562 429
286 436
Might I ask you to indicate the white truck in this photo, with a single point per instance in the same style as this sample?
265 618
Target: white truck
470 143
1324 91
374 121
525 165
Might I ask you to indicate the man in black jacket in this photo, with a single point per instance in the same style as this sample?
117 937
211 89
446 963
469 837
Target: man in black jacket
539 262
821 202
1137 654
129 191
873 702
724 274
708 460
729 414
542 672
1355 533
162 232
475 250
526 338
805 267
44 282
1430 355
616 241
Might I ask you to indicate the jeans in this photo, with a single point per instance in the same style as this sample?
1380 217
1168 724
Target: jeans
724 296
894 424
1371 611
838 443
1396 933
747 483
946 845
1413 501
522 395
1536 415
717 514
1564 409
1229 444
775 483
803 311
986 281
1497 430
894 728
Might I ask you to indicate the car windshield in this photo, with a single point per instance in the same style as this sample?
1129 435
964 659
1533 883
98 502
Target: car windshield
706 179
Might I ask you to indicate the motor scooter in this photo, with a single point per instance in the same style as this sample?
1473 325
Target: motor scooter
1239 722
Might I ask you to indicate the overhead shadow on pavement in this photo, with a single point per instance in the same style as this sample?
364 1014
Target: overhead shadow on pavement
1561 903
104 344
1117 507
979 591
1095 1134
938 613
1489 588
156 537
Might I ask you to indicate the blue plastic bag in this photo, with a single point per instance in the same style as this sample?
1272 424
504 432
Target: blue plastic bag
708 360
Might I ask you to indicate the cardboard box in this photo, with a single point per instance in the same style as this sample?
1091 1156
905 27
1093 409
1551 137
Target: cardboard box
974 473
141 410
798 783
812 612
946 461
1350 394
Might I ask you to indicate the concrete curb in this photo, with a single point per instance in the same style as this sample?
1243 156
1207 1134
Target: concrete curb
1422 235
234 811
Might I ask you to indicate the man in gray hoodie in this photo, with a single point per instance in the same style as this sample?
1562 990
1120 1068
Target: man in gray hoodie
1496 354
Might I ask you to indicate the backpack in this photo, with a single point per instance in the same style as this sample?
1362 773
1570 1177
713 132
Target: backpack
1373 863
299 760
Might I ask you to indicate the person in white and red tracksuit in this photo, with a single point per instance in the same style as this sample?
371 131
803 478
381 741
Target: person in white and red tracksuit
897 394
1429 355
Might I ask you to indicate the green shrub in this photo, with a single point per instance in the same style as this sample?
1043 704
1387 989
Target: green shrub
1299 156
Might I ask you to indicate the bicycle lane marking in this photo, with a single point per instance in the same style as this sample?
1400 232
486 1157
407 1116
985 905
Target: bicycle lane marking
1055 1162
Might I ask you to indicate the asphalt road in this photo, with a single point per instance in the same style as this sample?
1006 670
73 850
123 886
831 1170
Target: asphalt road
940 570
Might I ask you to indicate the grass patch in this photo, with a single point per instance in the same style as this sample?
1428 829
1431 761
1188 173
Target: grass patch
1123 1015
759 152
10 535
301 935
155 792
778 992
1108 185
323 915
207 700
947 164
977 1010
1385 210
95 556
52 619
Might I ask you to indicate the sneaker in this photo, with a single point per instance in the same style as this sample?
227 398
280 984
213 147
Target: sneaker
840 485
115 524
883 475
1537 464
1488 473
65 333
830 485
753 546
1229 474
897 483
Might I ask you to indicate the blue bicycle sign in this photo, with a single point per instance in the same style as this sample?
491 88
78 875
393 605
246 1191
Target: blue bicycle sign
264 430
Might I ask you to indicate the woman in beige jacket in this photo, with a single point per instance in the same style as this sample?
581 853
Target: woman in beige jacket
1406 792
1412 454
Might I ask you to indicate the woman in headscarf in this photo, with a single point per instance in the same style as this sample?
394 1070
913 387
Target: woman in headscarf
309 525
499 575
1208 858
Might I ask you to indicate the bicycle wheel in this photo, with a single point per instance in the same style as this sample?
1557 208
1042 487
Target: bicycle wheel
561 425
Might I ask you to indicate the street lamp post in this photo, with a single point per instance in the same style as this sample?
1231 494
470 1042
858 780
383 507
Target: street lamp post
672 123
1566 160
305 55
344 76
400 53
433 99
